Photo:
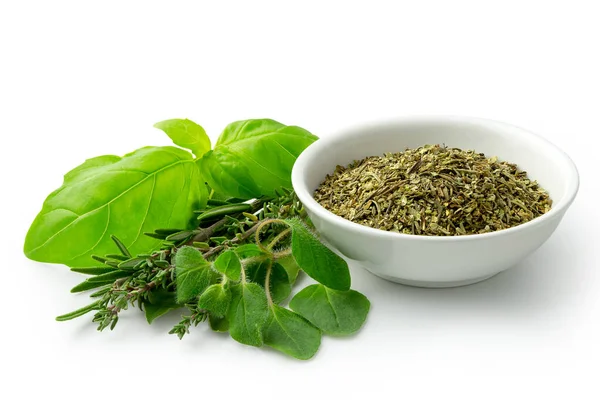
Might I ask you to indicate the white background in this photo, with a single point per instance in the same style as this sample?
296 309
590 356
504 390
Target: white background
80 79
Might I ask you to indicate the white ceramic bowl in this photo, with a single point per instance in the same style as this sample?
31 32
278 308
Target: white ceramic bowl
437 261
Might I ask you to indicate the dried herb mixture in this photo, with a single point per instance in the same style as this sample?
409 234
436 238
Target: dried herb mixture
433 190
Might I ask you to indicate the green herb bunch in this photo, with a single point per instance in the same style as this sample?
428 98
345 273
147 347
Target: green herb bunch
218 236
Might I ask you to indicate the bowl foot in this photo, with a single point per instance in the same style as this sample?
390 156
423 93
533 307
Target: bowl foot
434 284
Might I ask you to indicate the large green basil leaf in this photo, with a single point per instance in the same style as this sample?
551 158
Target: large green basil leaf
153 187
254 157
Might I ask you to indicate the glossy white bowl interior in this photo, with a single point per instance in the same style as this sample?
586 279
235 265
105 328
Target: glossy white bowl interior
437 261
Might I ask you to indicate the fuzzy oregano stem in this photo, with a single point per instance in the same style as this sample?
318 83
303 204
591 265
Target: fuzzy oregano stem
243 273
278 238
263 224
268 282
282 254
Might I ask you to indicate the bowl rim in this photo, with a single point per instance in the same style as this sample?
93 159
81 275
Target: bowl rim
310 152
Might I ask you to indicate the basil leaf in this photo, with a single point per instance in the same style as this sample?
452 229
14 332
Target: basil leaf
320 263
291 334
247 313
125 197
227 175
187 134
254 158
229 264
279 281
192 273
335 312
215 299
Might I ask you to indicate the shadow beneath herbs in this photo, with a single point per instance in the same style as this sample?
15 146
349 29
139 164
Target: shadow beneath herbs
546 282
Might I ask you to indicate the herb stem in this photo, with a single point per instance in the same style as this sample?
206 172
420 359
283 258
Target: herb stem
260 228
268 282
206 233
243 237
282 254
243 273
277 238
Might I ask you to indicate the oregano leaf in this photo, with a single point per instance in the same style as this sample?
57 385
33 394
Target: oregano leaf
335 312
249 250
291 334
160 301
218 324
192 273
247 313
154 311
215 299
319 262
291 267
228 263
279 281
